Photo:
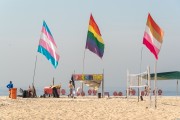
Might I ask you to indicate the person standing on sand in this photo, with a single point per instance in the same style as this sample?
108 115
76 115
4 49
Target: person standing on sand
9 86
73 83
70 89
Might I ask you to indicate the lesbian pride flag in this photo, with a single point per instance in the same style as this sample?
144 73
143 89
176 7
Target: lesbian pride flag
94 41
153 36
47 45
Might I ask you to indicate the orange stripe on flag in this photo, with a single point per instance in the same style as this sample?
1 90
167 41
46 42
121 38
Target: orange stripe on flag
94 25
157 32
154 33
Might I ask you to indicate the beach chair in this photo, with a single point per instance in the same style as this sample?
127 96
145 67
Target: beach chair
78 93
82 93
142 93
89 92
63 92
94 92
133 92
115 93
159 92
120 93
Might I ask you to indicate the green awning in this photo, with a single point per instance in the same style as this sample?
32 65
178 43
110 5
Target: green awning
174 75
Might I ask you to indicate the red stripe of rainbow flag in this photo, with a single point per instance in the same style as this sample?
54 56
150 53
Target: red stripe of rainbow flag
153 36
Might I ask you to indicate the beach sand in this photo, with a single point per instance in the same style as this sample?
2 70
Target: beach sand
89 108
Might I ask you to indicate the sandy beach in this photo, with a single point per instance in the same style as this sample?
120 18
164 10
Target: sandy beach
89 108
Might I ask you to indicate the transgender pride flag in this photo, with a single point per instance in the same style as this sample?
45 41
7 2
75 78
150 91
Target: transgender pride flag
47 45
153 36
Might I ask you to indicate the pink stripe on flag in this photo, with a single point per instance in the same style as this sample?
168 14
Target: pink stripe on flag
150 46
49 49
48 35
148 38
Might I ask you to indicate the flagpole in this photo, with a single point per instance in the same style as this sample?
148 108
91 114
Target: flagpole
103 85
177 89
34 69
155 80
84 60
83 69
53 81
140 72
149 86
74 81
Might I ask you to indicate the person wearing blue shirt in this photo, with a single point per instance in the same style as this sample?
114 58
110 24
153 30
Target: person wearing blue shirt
10 85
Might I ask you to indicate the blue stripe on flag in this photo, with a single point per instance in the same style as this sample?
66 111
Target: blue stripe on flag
45 26
48 56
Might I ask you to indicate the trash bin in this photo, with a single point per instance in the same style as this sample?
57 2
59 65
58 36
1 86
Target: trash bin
25 94
99 95
13 93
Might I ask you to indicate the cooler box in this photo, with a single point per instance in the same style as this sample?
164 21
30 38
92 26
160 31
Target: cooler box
47 90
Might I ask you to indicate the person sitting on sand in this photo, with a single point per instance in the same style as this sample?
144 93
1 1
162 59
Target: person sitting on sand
54 88
30 91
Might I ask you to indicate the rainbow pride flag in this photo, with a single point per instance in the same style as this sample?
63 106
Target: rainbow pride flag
94 41
47 45
153 36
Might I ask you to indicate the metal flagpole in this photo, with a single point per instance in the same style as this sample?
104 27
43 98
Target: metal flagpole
149 86
127 85
155 80
83 68
84 60
138 87
103 85
34 93
34 69
74 81
177 88
53 80
140 72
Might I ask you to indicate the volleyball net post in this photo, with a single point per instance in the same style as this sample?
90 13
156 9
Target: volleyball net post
138 81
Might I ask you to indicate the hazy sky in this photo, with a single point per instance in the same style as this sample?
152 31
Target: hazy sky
122 25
